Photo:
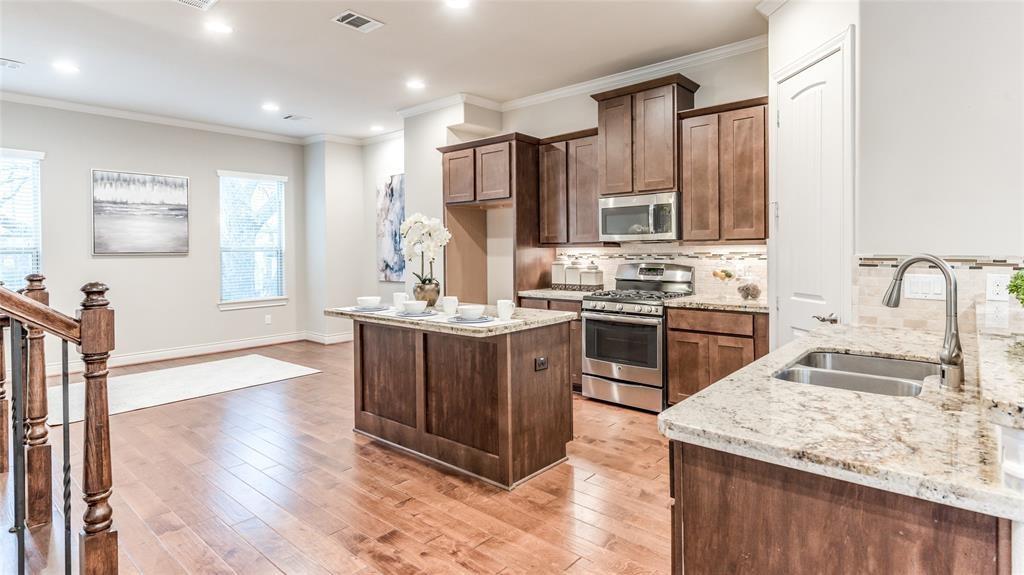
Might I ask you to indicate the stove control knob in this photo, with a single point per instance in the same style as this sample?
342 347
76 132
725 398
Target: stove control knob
650 309
618 307
638 308
600 305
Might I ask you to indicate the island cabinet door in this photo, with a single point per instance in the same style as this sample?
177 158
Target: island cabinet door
688 368
493 172
458 176
385 383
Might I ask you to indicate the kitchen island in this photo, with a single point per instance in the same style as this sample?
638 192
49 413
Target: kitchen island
773 476
492 400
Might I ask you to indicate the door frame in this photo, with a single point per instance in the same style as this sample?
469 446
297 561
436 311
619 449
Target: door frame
842 43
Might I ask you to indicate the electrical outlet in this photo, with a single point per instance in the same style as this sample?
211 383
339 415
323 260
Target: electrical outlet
995 287
540 363
924 286
268 319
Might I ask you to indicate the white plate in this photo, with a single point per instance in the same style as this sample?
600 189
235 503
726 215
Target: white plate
416 314
481 319
371 308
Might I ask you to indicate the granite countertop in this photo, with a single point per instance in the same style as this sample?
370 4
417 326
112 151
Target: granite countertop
522 319
940 446
1001 362
566 295
719 303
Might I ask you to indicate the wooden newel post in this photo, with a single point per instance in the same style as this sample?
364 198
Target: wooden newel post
5 407
98 541
38 476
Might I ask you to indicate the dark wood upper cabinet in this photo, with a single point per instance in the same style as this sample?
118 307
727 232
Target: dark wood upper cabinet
493 174
699 166
654 140
742 157
638 135
583 190
553 209
615 145
459 179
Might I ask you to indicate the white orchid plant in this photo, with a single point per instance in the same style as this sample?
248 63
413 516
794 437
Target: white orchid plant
424 237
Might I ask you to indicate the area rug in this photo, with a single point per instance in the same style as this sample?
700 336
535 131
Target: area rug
141 390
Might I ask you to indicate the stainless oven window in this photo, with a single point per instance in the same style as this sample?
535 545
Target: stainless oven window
626 220
622 343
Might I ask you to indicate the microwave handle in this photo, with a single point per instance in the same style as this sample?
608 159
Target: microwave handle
622 318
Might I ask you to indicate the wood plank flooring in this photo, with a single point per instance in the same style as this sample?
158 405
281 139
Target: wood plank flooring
271 479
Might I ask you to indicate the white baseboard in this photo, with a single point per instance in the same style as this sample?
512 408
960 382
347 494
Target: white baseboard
328 338
116 360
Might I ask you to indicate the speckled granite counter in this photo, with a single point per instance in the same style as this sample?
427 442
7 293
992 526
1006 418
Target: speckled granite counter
939 446
719 303
555 294
523 319
1001 362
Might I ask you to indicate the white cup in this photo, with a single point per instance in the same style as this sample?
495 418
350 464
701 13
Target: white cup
449 304
471 311
414 306
398 299
368 301
505 308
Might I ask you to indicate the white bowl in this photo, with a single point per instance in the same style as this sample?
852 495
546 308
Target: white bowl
471 311
414 306
368 301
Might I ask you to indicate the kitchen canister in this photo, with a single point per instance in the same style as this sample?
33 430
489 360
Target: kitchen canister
591 278
572 275
558 272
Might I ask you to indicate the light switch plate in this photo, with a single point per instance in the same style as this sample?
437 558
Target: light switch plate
995 287
924 286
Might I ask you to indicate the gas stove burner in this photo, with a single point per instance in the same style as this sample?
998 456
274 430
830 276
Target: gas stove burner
635 295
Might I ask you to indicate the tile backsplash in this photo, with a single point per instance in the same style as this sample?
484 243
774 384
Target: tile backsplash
873 274
749 261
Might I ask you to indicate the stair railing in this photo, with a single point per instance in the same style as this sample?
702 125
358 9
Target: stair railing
30 317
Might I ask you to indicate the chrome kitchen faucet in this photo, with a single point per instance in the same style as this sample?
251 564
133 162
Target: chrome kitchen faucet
951 358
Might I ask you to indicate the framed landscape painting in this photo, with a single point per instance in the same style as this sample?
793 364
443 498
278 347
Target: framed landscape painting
139 213
390 213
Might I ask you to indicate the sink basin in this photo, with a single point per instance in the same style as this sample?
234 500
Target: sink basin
884 376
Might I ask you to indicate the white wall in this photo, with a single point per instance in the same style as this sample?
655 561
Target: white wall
162 302
942 128
727 80
381 160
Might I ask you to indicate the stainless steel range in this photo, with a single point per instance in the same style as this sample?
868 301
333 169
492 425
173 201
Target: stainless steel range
623 334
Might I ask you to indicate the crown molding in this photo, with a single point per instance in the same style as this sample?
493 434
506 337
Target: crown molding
447 102
396 135
768 7
142 117
331 138
636 75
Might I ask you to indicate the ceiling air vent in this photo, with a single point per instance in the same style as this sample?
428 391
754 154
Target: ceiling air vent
358 22
10 64
294 117
203 5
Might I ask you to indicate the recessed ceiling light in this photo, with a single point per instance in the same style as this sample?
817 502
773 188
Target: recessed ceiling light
457 3
218 27
270 107
65 66
376 128
415 84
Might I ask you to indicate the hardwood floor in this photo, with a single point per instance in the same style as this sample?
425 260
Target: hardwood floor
272 479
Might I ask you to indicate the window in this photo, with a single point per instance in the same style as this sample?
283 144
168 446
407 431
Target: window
251 239
20 239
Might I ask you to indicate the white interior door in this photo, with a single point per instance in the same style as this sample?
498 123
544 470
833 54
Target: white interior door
810 218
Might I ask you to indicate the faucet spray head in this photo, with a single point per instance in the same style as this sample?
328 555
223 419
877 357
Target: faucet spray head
892 295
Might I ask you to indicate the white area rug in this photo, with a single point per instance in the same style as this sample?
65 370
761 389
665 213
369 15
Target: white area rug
140 390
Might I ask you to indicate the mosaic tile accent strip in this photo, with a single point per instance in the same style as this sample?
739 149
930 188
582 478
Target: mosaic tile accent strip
956 262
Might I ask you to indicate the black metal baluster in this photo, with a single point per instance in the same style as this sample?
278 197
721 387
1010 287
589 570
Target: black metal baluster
18 427
66 416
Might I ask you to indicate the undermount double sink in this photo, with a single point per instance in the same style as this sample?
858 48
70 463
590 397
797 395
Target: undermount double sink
883 376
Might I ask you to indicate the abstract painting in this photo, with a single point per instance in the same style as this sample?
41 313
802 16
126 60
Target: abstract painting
139 213
390 213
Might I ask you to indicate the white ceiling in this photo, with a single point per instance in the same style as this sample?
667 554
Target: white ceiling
155 56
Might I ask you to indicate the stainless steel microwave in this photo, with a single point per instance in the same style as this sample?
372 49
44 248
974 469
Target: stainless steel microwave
640 218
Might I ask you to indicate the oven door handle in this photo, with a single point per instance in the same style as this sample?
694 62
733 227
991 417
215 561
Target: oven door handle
656 321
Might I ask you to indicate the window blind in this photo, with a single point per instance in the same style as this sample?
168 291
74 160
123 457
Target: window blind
251 238
20 238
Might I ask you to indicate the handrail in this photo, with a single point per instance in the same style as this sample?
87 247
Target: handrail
27 310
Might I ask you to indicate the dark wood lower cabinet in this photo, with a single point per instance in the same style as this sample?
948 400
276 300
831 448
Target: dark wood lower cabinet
705 346
477 404
736 515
